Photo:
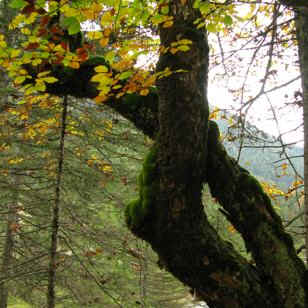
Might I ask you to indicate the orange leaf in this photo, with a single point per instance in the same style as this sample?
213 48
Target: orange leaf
100 99
42 32
107 32
74 65
104 41
83 56
64 45
58 60
56 30
44 20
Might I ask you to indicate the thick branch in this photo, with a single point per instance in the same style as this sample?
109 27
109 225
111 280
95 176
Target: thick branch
298 4
250 211
140 110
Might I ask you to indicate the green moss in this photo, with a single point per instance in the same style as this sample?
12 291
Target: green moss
139 209
250 183
134 213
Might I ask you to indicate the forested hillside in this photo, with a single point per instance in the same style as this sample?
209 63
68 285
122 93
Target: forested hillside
99 262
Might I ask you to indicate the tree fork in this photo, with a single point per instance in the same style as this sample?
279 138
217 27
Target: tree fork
176 116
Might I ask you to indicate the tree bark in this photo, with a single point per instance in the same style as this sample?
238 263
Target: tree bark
51 292
302 38
8 249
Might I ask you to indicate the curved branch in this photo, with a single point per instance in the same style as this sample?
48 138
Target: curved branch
249 209
142 111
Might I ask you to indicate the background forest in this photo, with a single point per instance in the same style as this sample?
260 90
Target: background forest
95 166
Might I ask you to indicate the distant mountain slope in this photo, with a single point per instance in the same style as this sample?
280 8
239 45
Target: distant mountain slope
264 157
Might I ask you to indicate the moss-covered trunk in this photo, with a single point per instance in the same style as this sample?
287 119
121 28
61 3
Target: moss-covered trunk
175 223
169 213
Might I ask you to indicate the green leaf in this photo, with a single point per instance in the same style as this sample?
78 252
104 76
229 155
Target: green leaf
17 4
125 75
211 27
196 4
165 9
204 7
228 20
72 24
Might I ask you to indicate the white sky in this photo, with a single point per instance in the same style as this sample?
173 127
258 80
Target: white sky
260 114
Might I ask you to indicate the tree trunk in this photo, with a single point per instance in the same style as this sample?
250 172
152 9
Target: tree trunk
8 250
169 213
51 294
302 38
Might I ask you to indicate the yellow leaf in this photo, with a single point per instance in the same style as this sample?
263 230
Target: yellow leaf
94 35
120 95
30 90
42 74
102 79
24 72
184 42
144 92
183 48
51 79
101 69
15 161
231 229
19 79
107 169
17 21
40 86
25 31
31 19
30 133
36 62
168 24
15 53
104 90
106 19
